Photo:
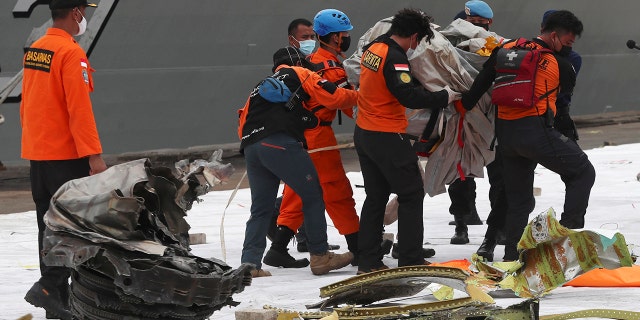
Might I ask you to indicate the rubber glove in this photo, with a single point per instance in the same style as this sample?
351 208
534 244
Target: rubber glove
453 95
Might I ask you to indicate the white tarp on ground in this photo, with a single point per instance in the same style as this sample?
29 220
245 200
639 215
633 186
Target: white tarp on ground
614 205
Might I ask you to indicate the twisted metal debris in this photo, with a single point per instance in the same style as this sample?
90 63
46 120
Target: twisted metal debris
124 235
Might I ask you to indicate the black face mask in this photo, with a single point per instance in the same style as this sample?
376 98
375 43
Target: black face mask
482 25
346 42
565 51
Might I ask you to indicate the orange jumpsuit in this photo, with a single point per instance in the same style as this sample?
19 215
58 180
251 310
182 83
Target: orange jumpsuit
336 188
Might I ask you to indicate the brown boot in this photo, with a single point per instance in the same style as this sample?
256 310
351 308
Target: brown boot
257 273
325 262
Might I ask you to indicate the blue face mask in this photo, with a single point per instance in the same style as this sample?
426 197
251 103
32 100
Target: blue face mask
307 46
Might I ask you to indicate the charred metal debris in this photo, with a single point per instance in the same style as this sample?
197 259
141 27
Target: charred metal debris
124 235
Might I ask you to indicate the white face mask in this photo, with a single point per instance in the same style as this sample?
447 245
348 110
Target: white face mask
307 46
410 52
82 26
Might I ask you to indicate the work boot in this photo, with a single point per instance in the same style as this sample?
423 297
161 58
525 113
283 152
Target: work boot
461 236
278 254
426 252
352 245
50 299
327 261
257 273
276 258
486 248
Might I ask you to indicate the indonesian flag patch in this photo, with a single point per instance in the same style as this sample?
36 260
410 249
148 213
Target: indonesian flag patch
83 63
401 67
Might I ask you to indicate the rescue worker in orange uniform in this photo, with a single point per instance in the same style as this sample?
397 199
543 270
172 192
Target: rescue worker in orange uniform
527 135
274 146
301 35
388 162
332 28
59 134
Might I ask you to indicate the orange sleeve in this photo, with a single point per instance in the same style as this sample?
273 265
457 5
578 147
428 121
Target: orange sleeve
78 83
242 117
322 91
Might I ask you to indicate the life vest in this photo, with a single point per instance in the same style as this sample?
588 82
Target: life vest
516 70
271 108
328 66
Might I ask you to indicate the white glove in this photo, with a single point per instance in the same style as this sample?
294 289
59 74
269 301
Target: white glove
453 96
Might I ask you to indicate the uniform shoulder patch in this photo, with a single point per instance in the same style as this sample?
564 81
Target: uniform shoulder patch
401 67
38 59
405 77
371 60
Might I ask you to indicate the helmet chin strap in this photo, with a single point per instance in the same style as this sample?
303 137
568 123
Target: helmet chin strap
336 49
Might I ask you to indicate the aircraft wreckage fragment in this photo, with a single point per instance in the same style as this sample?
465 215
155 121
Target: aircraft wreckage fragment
552 254
124 235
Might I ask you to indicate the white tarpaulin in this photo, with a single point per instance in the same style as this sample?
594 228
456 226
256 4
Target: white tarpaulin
436 64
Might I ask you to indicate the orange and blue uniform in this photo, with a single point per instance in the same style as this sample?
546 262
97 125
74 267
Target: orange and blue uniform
336 188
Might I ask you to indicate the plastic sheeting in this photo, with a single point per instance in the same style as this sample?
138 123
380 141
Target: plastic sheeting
436 64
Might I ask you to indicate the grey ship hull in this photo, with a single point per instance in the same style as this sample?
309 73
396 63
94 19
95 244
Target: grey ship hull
172 74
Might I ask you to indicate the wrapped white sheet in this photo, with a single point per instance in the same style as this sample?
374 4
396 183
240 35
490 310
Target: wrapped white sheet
436 64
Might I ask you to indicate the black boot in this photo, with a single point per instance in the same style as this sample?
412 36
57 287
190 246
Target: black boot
486 248
461 236
352 245
278 255
426 252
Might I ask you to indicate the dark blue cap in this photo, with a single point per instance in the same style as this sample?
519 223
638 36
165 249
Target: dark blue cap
546 15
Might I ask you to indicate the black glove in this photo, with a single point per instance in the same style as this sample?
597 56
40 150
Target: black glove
464 100
566 126
309 119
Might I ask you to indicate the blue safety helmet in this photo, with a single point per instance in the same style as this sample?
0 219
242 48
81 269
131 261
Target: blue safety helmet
331 20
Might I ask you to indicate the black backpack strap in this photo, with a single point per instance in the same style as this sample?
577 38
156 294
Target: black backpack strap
548 93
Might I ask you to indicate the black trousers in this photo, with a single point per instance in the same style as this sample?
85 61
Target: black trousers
497 196
524 144
463 197
46 179
389 165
